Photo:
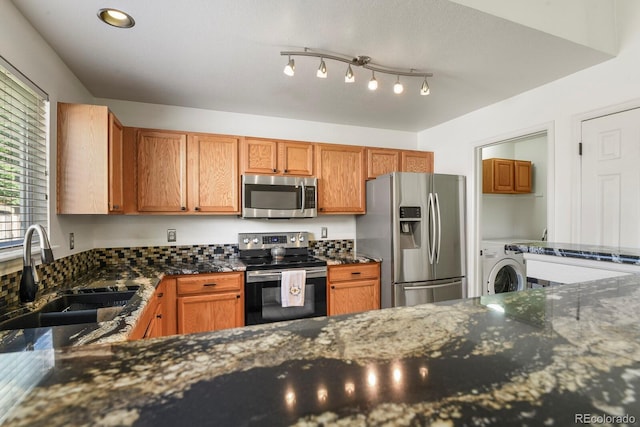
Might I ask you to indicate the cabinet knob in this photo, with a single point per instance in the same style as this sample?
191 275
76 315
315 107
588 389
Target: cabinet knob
116 206
160 295
275 170
286 171
197 208
183 208
238 296
159 316
333 287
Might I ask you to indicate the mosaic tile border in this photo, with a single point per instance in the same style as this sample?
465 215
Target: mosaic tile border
71 267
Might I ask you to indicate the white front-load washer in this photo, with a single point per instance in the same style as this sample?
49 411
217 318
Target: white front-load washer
502 271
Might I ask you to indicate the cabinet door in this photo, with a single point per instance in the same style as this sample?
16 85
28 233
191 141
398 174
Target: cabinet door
116 170
341 183
381 161
259 156
497 176
522 175
82 159
213 174
354 296
166 294
295 158
162 171
209 312
417 161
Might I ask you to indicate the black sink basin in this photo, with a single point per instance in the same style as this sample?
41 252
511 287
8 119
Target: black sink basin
83 302
72 309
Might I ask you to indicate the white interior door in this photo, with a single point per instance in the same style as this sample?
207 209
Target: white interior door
610 206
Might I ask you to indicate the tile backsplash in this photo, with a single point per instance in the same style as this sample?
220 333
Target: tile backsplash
71 267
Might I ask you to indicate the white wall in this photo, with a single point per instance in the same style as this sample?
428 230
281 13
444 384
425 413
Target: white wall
561 103
517 216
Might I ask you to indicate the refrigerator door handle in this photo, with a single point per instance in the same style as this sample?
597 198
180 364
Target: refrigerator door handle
432 224
439 230
434 286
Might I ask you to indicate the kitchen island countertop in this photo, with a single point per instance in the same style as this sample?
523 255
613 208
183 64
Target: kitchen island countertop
549 356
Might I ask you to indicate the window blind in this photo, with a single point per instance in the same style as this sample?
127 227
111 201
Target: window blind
24 196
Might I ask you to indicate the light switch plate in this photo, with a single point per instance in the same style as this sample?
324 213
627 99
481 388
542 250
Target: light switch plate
72 241
323 232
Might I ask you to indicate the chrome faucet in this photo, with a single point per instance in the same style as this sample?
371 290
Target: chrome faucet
29 280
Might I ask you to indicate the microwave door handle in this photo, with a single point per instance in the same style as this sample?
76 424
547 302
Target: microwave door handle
303 198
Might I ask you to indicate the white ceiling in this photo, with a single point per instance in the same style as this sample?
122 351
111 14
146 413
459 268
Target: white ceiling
225 55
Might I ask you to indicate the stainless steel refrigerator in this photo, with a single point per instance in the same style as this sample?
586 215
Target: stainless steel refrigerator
415 222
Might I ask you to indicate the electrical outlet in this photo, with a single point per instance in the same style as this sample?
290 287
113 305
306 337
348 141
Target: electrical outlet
72 241
323 232
171 235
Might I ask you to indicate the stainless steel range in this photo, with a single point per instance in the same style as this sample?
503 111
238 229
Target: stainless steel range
270 255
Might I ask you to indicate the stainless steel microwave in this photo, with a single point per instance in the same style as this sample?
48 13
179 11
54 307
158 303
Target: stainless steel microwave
265 196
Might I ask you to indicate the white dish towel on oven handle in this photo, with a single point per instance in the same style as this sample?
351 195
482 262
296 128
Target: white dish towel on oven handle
292 287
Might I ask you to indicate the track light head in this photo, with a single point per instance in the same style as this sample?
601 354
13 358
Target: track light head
290 68
424 90
397 87
349 77
322 69
373 83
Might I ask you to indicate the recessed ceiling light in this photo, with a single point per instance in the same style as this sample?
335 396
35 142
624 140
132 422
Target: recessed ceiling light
116 18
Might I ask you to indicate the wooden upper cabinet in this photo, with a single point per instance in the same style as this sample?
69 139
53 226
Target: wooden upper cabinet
213 178
382 161
416 161
89 160
162 171
273 157
341 178
506 176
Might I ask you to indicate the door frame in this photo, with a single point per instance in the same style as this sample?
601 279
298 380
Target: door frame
576 132
549 129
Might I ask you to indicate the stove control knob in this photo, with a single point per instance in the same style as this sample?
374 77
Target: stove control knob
301 238
245 240
293 239
255 240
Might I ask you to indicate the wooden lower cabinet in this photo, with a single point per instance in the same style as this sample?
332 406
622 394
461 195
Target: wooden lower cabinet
159 316
209 302
353 288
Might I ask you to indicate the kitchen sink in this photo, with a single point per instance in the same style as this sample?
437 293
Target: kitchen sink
72 309
83 302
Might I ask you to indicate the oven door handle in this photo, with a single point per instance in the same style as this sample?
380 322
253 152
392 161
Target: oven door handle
279 272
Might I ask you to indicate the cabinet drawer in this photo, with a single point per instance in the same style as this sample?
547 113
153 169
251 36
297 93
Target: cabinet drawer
358 271
208 283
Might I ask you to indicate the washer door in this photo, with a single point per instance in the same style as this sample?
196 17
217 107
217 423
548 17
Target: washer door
505 276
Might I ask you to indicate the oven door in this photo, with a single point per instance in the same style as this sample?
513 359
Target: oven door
262 303
278 197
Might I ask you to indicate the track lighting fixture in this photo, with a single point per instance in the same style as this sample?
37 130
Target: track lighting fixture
358 61
290 68
373 83
349 77
322 70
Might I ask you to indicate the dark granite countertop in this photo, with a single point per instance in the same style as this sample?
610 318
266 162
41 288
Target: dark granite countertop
355 259
618 255
143 278
549 356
